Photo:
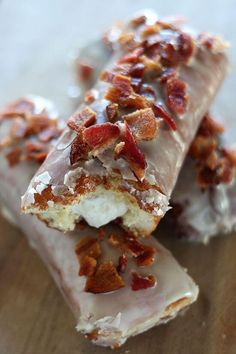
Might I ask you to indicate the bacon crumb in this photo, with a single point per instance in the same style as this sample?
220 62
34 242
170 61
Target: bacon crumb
90 96
230 154
131 153
13 157
79 150
81 119
35 150
88 246
147 257
112 111
142 123
160 112
104 280
176 95
84 71
101 136
140 282
122 263
138 21
87 266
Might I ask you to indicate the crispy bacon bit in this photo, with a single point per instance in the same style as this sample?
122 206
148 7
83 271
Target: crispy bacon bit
88 246
138 21
18 128
79 150
13 157
202 147
105 279
150 30
38 122
81 119
142 123
87 266
148 92
152 66
225 171
107 76
127 244
230 154
49 134
132 57
84 71
137 70
131 153
168 73
90 96
176 95
185 47
36 151
210 127
20 107
146 258
160 112
101 136
112 111
127 41
140 282
122 264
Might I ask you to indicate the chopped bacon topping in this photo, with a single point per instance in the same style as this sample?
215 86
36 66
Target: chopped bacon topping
137 70
152 66
13 157
176 95
81 119
129 151
101 136
132 57
88 246
138 21
36 131
147 257
159 111
84 71
79 150
143 124
140 282
122 263
112 111
87 266
213 164
230 154
104 280
90 96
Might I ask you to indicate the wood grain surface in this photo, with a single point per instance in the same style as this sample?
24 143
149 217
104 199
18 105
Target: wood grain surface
36 42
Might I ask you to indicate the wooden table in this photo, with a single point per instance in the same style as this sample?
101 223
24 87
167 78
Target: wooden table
36 38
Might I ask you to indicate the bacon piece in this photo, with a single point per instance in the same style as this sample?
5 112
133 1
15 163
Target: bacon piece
50 133
150 30
79 149
81 119
35 150
122 264
176 96
18 128
132 57
138 21
159 111
13 157
185 47
152 66
105 279
140 282
87 266
210 127
127 244
128 42
101 136
147 257
167 73
202 147
137 70
90 96
38 122
230 154
129 151
20 107
84 71
88 246
142 123
112 111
